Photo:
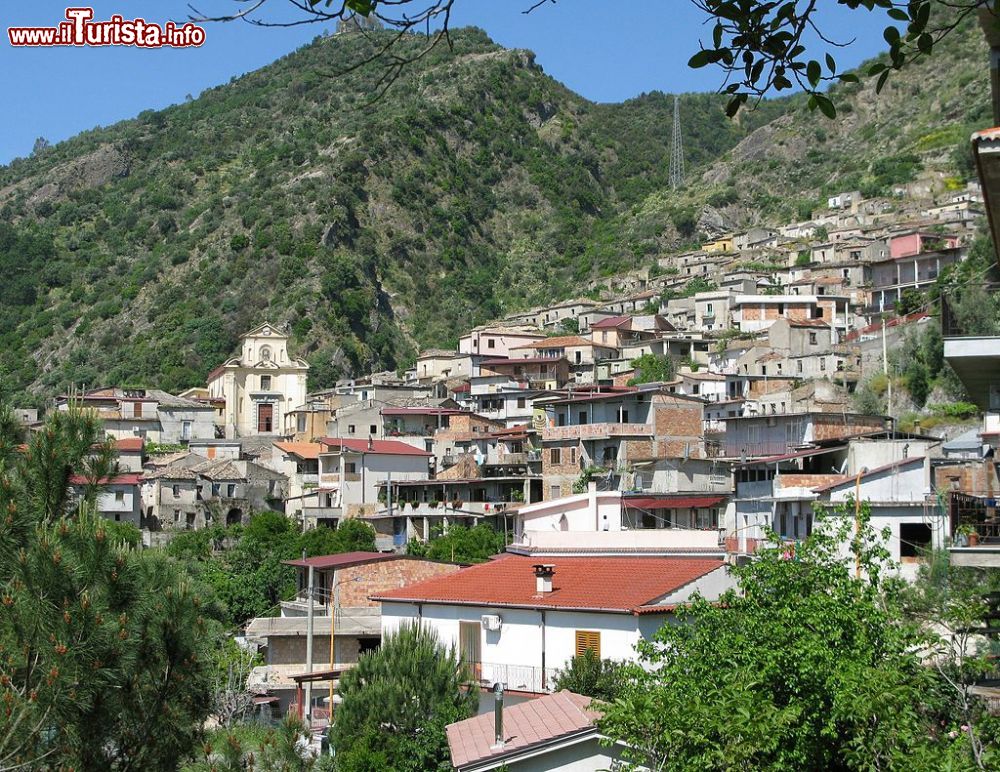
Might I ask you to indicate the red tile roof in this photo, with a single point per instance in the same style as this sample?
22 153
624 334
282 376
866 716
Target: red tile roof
122 479
529 725
557 342
611 321
307 450
523 361
344 560
129 444
379 447
611 584
424 411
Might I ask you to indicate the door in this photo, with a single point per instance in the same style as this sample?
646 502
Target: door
470 646
265 417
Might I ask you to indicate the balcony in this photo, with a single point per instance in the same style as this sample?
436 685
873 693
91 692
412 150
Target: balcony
597 431
349 620
975 528
323 512
972 348
518 678
450 509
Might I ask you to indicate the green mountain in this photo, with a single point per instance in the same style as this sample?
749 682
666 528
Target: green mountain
137 253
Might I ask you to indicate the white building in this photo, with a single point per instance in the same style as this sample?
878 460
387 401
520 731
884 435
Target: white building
261 386
518 620
351 472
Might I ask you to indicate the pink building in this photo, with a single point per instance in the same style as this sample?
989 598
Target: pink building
919 242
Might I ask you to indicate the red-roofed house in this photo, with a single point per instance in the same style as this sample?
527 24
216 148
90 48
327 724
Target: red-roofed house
518 619
555 732
351 471
119 498
299 462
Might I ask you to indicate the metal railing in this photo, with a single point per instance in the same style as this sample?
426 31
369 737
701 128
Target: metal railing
520 678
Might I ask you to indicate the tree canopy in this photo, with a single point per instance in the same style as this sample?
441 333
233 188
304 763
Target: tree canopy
397 702
807 666
103 647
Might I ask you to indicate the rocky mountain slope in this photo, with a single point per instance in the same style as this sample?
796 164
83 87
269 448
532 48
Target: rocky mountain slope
137 253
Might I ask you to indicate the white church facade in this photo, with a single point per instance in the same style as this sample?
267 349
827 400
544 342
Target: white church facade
261 386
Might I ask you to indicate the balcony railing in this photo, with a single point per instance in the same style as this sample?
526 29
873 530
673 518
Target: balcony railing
519 678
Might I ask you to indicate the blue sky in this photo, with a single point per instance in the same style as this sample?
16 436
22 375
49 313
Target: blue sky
604 55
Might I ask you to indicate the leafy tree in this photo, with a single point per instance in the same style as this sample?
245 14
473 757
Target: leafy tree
651 368
462 544
806 666
397 702
588 674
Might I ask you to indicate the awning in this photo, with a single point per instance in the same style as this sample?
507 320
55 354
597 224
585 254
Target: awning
673 502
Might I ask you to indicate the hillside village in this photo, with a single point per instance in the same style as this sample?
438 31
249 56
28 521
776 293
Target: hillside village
622 454
675 425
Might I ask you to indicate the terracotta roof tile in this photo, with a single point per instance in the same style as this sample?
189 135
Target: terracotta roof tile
307 450
379 447
558 342
527 725
614 584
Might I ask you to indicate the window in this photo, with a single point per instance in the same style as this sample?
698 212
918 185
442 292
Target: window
216 489
779 368
798 365
572 455
137 409
555 456
186 430
265 383
231 490
300 422
624 417
265 417
372 429
554 491
177 515
176 490
350 429
350 467
822 364
491 343
119 497
812 339
781 309
581 417
520 402
588 639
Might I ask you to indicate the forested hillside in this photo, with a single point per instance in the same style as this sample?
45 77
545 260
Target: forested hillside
137 253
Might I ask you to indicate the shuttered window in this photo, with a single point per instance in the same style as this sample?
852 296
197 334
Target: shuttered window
588 639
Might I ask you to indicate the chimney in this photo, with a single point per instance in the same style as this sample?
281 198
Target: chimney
498 716
543 577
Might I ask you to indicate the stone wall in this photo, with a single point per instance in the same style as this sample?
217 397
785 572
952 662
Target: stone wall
356 584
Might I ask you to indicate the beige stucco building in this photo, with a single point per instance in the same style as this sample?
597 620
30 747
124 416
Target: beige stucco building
261 386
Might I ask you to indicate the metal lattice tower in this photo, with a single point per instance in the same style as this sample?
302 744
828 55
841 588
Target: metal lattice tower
676 149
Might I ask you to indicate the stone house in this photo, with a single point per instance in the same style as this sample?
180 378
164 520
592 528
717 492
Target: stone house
615 431
343 585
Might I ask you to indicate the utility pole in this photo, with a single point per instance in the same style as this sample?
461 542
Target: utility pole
676 149
309 644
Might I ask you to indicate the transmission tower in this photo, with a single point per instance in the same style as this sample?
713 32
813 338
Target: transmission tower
677 149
